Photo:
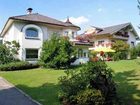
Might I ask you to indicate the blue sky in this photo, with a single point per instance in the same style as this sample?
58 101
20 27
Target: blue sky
84 13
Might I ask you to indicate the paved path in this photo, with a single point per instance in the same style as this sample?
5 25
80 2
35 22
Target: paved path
9 95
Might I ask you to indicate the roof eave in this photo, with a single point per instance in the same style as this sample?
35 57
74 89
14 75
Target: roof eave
6 26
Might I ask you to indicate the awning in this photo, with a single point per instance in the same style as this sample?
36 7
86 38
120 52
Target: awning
99 49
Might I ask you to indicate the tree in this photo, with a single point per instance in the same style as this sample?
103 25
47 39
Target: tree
57 52
121 49
8 50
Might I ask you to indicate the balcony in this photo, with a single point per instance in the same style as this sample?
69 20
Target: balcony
122 36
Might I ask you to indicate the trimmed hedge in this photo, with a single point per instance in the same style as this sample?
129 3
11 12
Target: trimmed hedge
17 66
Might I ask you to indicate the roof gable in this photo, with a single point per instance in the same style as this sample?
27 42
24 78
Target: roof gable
43 19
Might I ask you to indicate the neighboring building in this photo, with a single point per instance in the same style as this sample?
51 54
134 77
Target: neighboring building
106 36
32 29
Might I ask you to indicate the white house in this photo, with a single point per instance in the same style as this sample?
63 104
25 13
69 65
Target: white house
32 29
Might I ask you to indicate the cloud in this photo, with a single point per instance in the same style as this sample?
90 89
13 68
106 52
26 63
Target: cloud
78 20
100 10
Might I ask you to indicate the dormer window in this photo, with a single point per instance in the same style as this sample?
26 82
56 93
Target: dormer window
31 33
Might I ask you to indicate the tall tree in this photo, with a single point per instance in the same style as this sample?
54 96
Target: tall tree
57 52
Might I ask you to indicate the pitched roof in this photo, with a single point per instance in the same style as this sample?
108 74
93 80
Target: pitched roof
113 29
42 19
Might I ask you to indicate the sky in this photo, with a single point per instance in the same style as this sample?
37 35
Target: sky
84 13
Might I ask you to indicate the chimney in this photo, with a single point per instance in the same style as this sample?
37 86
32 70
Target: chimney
29 11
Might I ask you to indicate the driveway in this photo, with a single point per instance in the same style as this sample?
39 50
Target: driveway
9 95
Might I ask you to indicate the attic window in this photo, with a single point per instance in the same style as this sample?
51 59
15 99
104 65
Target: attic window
31 33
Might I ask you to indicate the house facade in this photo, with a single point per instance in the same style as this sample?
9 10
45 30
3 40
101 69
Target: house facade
32 29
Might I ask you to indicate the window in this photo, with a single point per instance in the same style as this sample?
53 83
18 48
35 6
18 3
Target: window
101 42
31 54
0 41
72 35
85 54
66 32
31 33
132 44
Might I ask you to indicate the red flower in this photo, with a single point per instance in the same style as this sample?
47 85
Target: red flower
101 53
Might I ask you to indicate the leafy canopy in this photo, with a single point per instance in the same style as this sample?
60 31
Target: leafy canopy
57 52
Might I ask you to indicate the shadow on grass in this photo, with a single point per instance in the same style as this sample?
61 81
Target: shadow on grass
128 87
47 94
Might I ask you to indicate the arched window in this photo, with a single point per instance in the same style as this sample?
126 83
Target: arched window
31 32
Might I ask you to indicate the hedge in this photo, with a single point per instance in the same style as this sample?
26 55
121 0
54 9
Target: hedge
22 65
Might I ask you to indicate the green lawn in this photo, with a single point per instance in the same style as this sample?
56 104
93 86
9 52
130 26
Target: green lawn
42 84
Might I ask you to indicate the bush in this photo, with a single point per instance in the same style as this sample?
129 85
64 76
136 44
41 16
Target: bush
121 55
121 49
90 97
138 49
133 53
57 52
8 52
91 76
17 66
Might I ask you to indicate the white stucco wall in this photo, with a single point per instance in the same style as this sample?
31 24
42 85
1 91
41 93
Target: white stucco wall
70 30
132 38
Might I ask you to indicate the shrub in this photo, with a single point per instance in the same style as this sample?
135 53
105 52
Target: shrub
91 76
133 53
17 66
138 49
8 52
121 49
57 53
90 97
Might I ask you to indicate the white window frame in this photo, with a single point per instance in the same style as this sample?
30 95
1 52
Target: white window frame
40 33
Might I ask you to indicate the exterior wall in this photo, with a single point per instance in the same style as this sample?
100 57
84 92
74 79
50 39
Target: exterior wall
70 33
54 30
105 39
9 36
131 38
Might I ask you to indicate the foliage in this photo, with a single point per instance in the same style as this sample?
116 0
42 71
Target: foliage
92 76
8 51
133 53
21 65
121 49
90 97
119 46
57 52
138 49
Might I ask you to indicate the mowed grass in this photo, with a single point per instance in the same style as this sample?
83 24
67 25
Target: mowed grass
42 84
127 77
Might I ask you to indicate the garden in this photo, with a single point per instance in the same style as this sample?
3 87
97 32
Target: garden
55 81
43 83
